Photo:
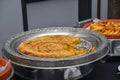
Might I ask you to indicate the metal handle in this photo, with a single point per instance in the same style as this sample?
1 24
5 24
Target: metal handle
80 23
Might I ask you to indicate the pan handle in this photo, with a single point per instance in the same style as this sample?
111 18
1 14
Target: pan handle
80 23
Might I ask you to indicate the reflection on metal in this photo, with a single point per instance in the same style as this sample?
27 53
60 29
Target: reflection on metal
72 72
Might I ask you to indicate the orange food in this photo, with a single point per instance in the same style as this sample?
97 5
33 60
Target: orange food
110 28
52 46
7 72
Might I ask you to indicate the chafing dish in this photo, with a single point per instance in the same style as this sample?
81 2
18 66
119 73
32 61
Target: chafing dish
33 68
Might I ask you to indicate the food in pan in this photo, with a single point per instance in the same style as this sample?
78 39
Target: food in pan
53 46
110 28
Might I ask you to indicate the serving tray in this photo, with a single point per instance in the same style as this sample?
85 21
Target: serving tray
114 42
98 40
109 36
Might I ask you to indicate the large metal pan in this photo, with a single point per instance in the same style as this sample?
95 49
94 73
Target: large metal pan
61 64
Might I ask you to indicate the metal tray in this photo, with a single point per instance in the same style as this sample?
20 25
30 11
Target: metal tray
100 41
114 44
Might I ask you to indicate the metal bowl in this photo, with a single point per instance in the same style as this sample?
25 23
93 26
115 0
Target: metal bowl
98 40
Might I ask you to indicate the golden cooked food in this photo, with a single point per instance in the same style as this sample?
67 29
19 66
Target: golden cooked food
106 27
52 46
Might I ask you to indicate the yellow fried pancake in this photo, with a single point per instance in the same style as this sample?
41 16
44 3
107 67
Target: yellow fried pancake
51 46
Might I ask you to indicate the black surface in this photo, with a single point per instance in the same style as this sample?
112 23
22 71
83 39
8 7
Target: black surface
101 71
84 9
113 9
31 1
104 71
24 15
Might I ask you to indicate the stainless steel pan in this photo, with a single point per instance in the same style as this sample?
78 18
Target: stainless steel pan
76 65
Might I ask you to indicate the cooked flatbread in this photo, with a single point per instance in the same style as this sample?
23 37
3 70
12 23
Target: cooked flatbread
51 46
